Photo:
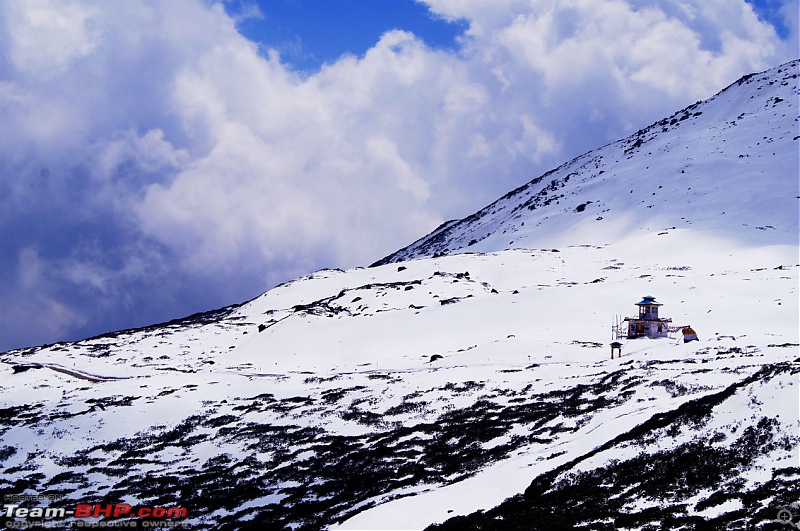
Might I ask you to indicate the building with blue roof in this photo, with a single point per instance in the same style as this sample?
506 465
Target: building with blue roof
648 323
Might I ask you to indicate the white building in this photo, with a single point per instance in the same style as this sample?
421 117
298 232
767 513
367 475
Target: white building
648 323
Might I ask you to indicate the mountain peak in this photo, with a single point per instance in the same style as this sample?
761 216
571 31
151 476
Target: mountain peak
686 170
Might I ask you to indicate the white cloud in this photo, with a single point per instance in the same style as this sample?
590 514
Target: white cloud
46 36
167 165
33 308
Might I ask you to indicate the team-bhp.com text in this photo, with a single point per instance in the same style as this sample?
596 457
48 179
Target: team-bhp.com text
111 515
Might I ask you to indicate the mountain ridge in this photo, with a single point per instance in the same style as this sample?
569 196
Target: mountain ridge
460 235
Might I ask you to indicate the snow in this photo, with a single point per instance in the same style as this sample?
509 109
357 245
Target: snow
730 505
525 312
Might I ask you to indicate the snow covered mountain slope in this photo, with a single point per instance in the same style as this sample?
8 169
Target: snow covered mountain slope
728 165
475 390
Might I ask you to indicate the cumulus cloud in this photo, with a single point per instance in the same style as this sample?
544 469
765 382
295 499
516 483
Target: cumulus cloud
45 41
157 163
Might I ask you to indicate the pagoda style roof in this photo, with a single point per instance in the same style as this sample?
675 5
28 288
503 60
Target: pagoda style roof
648 300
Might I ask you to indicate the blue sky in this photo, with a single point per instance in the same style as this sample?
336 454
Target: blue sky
159 159
771 12
309 33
